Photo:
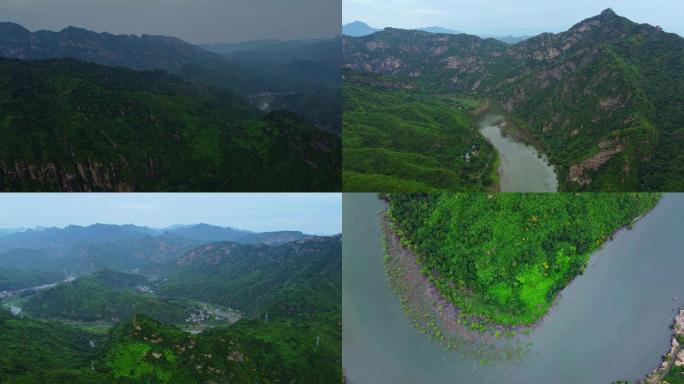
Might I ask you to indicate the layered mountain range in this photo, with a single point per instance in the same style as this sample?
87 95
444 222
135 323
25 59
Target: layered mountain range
83 249
86 111
604 98
359 28
196 304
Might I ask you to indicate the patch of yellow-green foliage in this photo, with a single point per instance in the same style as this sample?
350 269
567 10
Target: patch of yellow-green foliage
504 257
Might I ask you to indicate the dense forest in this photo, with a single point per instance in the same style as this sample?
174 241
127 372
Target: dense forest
298 277
216 312
12 279
603 99
105 295
143 350
155 132
506 256
86 111
402 140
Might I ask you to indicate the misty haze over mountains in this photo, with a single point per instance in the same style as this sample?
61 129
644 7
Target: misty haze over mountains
86 248
360 29
250 302
279 111
205 21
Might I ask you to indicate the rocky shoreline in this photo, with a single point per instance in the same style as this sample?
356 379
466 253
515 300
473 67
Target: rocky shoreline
438 318
675 357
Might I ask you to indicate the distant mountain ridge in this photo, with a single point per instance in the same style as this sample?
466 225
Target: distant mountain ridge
102 233
359 29
437 29
145 52
124 247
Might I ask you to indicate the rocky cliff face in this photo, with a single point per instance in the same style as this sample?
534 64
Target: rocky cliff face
85 176
590 94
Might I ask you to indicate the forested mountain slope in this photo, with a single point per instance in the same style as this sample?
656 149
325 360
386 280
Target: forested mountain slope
399 139
298 277
153 131
281 72
291 292
143 350
104 296
11 279
604 98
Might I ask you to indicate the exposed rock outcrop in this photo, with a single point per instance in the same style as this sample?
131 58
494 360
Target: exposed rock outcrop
607 149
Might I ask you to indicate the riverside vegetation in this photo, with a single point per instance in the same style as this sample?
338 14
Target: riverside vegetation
404 140
603 99
210 310
502 258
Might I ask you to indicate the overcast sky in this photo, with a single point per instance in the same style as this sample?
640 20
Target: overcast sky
316 213
504 17
196 21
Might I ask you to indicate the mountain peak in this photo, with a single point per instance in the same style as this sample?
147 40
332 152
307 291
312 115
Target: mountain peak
76 30
608 12
358 29
8 27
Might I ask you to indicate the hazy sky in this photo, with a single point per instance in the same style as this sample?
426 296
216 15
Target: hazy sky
318 213
517 17
196 21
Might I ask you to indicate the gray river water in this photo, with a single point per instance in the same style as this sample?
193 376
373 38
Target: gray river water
521 168
611 323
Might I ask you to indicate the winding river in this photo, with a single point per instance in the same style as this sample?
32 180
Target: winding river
522 168
611 323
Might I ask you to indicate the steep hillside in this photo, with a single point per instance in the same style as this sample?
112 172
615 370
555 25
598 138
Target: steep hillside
398 139
149 252
315 62
106 295
36 346
154 132
143 350
35 260
604 98
12 279
299 277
